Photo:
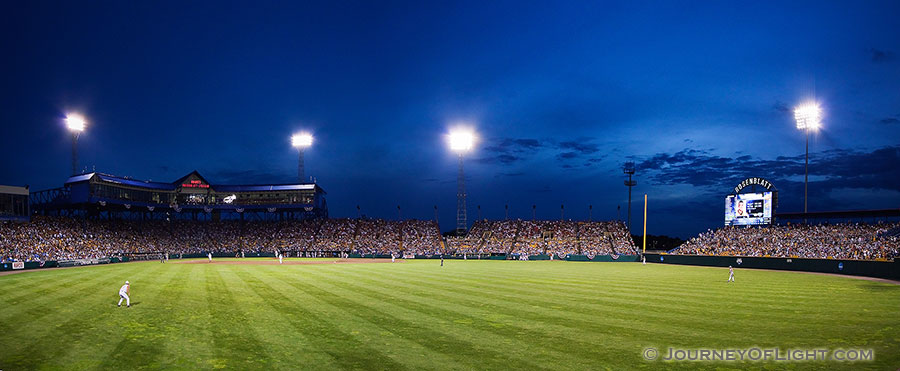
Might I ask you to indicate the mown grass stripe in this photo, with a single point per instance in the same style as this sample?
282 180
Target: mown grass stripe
72 321
446 337
537 309
347 349
147 339
233 339
560 333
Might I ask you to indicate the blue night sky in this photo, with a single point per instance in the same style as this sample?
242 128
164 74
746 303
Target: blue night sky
699 95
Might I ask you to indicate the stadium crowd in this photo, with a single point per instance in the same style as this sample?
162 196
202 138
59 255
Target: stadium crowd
550 237
60 238
822 241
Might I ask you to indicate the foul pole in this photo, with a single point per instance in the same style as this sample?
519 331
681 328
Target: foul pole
645 223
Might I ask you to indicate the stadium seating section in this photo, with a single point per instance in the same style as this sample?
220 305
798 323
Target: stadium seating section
818 241
60 238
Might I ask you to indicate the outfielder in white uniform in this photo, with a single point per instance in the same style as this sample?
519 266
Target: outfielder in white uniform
280 257
730 274
209 255
123 295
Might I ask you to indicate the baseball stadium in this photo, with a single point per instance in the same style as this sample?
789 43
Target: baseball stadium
536 186
259 277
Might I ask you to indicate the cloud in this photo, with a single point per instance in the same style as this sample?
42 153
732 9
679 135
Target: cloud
890 120
592 161
578 149
508 159
583 147
833 169
509 150
782 107
881 56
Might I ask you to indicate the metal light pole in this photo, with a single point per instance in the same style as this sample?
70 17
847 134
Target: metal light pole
74 153
808 117
301 141
76 124
300 165
461 222
629 170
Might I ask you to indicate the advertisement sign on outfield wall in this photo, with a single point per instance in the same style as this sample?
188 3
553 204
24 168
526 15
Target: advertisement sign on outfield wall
18 265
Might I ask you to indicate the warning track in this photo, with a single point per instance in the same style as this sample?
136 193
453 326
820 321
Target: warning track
288 261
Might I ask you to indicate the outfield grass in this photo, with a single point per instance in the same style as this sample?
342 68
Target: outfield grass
418 315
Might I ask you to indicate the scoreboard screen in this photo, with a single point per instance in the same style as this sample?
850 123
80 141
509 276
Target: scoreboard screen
748 209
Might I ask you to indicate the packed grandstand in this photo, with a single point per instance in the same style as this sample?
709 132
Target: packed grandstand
859 241
52 238
49 238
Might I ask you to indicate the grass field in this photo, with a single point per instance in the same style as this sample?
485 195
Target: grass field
418 315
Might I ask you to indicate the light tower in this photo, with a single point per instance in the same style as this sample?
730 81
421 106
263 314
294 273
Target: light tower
629 170
75 123
301 141
461 141
808 116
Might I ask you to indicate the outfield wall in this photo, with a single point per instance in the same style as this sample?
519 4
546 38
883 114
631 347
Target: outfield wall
868 268
81 262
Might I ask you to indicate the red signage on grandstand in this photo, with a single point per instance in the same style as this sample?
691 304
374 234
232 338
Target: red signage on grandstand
195 184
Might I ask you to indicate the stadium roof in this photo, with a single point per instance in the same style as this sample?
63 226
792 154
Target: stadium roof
13 190
178 183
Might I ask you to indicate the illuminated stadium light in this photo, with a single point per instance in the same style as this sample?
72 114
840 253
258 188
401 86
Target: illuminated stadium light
301 140
75 123
461 140
807 116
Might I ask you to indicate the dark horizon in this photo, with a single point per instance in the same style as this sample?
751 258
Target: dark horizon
700 97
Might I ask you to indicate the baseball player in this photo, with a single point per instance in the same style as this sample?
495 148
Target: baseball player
730 274
123 295
209 255
442 260
280 257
